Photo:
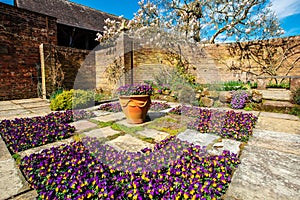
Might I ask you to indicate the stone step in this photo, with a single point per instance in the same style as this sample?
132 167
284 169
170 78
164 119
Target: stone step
276 94
270 105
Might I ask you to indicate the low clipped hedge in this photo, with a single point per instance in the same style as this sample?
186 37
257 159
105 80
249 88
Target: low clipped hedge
73 99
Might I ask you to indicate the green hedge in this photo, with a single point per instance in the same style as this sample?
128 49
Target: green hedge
73 99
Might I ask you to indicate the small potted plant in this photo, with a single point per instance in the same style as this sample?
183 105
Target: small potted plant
135 101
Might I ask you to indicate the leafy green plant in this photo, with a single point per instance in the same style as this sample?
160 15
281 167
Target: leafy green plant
73 99
234 85
248 108
57 92
278 85
295 111
252 85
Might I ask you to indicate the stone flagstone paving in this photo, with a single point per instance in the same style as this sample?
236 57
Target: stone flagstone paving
269 166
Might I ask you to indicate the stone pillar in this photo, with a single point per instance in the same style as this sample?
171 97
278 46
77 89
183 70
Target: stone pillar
128 58
261 84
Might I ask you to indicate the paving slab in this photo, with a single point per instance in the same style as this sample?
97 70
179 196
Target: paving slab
35 104
279 116
101 132
30 195
32 100
12 181
129 143
46 146
82 125
12 114
99 113
279 141
197 138
111 117
41 110
265 174
7 105
152 115
125 123
226 144
278 125
155 134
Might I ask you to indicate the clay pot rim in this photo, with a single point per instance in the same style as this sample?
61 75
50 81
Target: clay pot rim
135 95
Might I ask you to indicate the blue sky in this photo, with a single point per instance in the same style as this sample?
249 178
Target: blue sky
288 11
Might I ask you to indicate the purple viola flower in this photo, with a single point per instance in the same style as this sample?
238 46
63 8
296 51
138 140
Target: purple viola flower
137 89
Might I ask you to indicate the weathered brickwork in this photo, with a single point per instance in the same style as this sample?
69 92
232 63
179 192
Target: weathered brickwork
21 33
68 68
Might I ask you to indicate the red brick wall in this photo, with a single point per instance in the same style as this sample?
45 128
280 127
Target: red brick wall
21 33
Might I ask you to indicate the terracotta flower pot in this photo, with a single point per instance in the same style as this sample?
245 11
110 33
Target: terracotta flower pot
135 107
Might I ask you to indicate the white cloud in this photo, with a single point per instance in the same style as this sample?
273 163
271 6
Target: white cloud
285 8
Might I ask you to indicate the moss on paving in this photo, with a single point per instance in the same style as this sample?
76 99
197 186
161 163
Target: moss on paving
173 126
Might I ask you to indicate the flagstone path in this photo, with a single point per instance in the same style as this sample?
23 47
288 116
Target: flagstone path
269 166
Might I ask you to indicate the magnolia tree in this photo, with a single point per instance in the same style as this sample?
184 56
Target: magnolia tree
201 21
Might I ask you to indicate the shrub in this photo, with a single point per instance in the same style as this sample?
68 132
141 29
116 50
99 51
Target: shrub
73 99
295 111
296 96
57 92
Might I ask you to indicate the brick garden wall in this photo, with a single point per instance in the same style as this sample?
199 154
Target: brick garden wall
68 68
21 33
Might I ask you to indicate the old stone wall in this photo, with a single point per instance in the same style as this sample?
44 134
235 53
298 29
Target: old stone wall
148 63
68 68
21 33
275 57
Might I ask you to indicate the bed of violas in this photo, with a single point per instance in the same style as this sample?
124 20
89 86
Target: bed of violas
90 169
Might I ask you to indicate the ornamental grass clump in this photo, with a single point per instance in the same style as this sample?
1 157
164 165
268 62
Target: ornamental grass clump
239 99
138 89
76 172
